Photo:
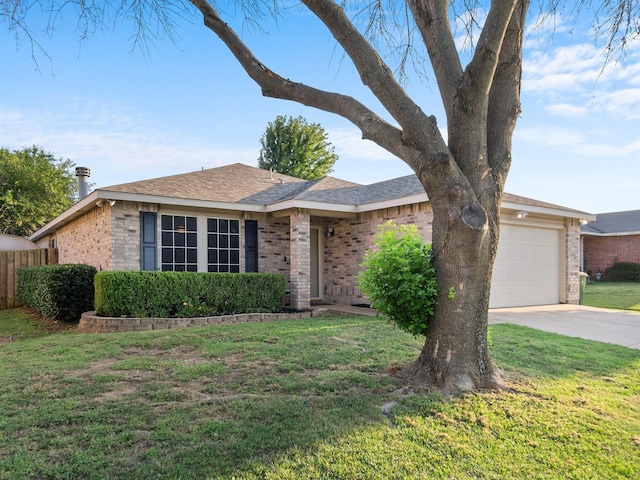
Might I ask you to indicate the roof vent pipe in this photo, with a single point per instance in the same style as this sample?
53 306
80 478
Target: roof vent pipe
83 174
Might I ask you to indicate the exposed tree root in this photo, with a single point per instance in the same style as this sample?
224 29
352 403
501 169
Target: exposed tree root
451 384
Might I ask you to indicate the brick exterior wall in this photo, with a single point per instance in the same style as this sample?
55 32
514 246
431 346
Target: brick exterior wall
344 251
572 262
125 234
300 280
87 239
108 238
602 252
273 245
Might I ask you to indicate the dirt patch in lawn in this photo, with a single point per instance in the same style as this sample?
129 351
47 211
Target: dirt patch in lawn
131 374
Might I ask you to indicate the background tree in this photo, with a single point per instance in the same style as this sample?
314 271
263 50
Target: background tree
34 189
292 146
464 175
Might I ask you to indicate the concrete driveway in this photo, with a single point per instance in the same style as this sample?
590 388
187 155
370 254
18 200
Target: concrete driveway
600 324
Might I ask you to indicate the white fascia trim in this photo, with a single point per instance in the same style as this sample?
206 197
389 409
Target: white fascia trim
618 234
547 211
181 202
395 202
523 223
309 205
80 207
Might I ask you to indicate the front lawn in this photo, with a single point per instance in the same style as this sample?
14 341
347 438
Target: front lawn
302 400
621 296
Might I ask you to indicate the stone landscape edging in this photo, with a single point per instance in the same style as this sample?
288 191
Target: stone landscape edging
92 323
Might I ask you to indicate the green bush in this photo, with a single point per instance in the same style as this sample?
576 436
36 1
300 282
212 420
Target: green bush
623 272
60 292
186 294
399 279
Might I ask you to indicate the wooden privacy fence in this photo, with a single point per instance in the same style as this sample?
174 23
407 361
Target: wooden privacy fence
10 262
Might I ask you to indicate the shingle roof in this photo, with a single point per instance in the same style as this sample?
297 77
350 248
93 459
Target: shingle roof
614 222
238 183
231 183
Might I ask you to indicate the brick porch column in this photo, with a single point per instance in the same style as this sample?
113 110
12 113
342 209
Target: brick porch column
300 266
572 261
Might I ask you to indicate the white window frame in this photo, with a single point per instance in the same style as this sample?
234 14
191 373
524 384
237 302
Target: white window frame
202 220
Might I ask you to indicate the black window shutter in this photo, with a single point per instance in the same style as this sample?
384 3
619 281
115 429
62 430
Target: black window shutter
148 241
250 245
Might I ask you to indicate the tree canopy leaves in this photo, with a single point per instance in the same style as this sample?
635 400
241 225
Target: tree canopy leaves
292 146
35 187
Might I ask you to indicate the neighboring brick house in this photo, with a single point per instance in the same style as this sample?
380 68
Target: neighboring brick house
613 237
241 218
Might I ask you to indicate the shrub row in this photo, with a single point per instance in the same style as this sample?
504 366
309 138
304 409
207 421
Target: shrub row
60 292
186 294
623 272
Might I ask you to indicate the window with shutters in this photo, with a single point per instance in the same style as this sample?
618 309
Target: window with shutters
199 244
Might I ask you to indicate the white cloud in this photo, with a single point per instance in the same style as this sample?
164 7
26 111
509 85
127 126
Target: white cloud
623 104
566 110
467 28
575 80
349 142
555 71
578 143
118 146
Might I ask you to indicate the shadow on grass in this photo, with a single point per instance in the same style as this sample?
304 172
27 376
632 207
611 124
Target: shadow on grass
190 403
236 400
544 354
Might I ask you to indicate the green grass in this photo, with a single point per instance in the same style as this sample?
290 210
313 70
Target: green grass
301 400
18 324
621 296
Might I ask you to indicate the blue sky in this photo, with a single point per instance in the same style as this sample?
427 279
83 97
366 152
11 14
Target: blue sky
130 115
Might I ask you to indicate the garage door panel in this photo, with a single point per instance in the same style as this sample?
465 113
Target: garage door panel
526 271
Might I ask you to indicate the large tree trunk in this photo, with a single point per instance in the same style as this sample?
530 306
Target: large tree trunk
464 178
455 355
466 190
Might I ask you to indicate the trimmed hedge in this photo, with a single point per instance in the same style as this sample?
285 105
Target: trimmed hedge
60 292
623 272
186 294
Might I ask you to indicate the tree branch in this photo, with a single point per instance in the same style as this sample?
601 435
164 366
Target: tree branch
471 103
485 59
504 98
374 73
372 126
432 19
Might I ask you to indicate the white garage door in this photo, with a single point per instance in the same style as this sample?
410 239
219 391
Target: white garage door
527 268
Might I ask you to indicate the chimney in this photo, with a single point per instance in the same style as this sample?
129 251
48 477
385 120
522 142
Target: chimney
83 174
